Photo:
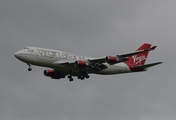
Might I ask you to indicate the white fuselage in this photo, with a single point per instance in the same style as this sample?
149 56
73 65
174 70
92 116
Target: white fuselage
47 57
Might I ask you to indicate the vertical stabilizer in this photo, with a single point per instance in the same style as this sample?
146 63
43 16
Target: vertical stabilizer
139 59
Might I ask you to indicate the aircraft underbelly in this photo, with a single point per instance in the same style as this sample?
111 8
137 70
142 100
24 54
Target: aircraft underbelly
66 69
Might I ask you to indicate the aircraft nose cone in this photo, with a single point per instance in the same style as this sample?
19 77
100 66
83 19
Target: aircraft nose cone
16 54
21 55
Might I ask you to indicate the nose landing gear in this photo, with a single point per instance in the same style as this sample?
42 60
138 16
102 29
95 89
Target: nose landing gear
29 69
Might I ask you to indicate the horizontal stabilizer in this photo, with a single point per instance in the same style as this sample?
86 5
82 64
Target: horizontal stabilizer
147 65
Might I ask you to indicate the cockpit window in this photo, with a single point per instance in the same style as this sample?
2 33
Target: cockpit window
26 48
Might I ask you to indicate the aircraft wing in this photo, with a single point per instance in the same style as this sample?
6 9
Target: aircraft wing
64 63
92 67
137 52
122 57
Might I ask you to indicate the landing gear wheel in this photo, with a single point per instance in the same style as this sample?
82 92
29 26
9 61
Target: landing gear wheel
79 76
82 77
87 76
70 78
29 69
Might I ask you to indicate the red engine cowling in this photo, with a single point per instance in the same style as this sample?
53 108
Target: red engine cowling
111 59
49 73
53 74
80 63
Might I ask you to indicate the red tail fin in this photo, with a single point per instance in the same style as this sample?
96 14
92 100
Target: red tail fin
139 59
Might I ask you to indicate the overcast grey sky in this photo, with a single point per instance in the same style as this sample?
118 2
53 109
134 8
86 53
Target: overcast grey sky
92 28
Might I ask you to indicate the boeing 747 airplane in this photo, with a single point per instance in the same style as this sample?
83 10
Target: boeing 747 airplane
64 64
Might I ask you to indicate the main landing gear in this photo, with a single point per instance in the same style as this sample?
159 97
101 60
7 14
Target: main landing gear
83 76
29 69
70 78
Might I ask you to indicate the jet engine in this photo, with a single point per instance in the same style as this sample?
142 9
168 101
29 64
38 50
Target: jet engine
80 63
112 59
115 59
53 74
49 73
